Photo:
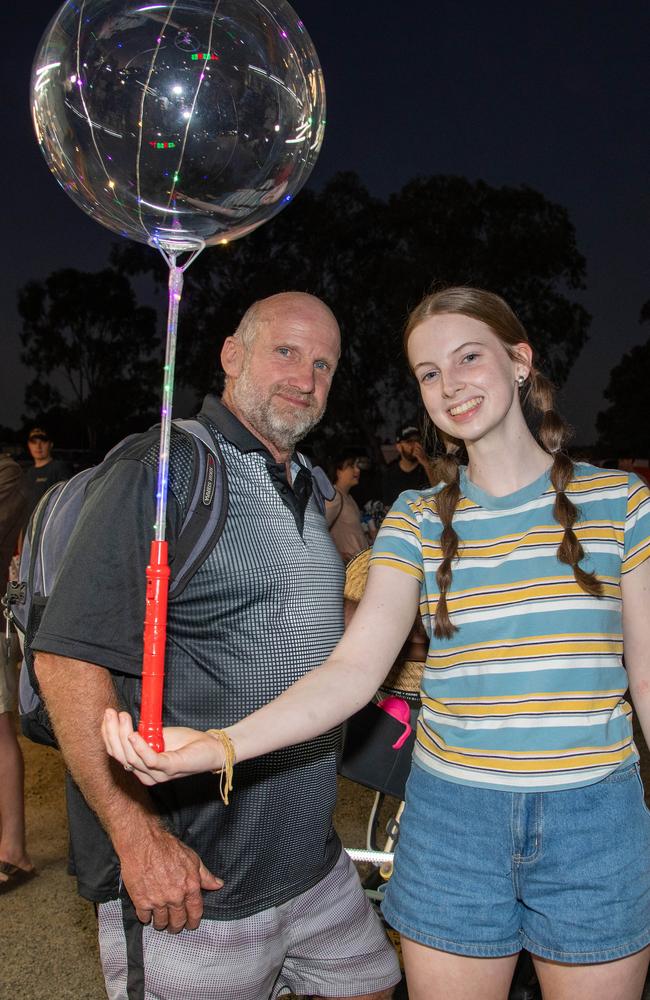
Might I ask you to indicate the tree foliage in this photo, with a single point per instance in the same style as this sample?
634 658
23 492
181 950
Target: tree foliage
623 426
91 348
372 260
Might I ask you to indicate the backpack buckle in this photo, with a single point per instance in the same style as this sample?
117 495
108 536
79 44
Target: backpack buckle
16 594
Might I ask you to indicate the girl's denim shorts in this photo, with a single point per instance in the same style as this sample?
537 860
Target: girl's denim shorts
485 873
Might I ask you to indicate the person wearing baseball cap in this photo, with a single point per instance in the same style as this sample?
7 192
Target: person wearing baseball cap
46 470
411 470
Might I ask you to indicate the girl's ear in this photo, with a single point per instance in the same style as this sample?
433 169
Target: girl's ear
522 356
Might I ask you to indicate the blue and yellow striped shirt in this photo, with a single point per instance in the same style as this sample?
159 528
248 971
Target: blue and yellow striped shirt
528 694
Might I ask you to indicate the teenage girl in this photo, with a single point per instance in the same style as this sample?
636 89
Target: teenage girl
525 825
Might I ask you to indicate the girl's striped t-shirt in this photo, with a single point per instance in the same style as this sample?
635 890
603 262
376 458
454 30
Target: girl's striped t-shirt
529 693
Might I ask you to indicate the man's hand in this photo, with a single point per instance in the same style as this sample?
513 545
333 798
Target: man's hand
418 454
164 879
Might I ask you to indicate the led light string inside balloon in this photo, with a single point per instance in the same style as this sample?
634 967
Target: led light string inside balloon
80 82
177 172
145 91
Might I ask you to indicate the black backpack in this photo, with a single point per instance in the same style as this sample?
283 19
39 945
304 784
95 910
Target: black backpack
51 525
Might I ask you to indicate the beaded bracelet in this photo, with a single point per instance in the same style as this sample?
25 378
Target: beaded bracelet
225 772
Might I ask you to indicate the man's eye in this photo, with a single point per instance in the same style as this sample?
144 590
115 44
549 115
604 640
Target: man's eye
322 366
284 351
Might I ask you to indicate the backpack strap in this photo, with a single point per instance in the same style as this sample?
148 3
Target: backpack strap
339 511
208 497
207 509
34 529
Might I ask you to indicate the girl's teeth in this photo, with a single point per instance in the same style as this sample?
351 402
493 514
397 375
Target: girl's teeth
464 407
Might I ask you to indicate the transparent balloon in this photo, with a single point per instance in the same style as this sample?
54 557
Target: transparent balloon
179 124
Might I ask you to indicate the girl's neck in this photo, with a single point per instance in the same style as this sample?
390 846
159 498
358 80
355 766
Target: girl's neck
501 471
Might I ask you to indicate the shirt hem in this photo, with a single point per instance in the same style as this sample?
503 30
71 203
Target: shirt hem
632 758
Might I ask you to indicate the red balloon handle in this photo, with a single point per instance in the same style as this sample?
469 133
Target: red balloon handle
155 635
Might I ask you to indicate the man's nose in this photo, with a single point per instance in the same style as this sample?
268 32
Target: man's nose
303 377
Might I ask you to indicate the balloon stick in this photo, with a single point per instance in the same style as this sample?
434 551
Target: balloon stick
157 572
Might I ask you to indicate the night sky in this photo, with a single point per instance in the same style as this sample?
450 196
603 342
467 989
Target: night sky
553 95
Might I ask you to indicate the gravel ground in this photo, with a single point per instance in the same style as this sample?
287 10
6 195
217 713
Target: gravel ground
48 949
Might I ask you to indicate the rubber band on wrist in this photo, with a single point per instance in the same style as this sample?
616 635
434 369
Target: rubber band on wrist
226 772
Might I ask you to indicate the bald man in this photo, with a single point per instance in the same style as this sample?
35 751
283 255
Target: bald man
257 897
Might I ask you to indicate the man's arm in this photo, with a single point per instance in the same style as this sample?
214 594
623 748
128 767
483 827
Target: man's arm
428 464
163 877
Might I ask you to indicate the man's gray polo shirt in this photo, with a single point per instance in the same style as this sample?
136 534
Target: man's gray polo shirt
265 608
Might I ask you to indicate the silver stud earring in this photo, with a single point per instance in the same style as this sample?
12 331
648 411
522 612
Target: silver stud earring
520 380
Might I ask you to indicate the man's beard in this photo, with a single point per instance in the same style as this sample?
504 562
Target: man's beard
282 427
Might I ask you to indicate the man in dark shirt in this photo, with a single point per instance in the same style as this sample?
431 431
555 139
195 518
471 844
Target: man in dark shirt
411 471
46 470
262 884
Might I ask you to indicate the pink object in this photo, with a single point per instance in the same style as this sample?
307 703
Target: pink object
399 709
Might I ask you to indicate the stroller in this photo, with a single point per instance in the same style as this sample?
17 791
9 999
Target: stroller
379 741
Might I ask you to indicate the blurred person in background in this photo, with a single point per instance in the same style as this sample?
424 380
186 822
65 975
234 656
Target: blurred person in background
15 864
342 513
412 470
46 470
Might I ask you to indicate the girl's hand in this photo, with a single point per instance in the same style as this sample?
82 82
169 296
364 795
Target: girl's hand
187 751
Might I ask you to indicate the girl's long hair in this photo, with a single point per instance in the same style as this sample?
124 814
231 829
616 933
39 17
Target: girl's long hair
538 405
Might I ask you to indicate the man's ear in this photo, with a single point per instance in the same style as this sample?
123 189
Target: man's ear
232 356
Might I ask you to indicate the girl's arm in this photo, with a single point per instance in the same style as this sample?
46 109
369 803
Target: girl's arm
635 587
319 701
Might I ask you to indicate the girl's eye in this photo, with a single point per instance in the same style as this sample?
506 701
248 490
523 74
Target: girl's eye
429 376
470 357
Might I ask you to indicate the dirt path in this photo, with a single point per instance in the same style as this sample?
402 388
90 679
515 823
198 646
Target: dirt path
48 948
